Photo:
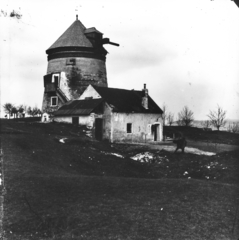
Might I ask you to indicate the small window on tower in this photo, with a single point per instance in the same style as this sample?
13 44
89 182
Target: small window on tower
129 127
56 79
54 101
70 61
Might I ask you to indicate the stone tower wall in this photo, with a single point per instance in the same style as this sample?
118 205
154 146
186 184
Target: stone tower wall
90 68
83 72
75 75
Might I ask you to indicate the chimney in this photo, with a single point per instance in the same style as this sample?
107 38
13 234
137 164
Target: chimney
145 97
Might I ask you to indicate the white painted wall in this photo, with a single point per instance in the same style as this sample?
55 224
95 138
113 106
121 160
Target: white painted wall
64 85
115 127
55 75
83 120
90 92
45 117
86 120
63 119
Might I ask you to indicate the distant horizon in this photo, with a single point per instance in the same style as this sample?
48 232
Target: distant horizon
227 119
196 120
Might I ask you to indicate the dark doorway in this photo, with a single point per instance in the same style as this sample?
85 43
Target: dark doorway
99 128
156 132
75 120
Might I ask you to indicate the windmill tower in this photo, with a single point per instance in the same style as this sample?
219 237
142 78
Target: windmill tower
75 60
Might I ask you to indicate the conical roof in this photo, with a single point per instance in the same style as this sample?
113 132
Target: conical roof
73 37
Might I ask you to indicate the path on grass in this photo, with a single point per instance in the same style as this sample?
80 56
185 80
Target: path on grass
213 147
194 147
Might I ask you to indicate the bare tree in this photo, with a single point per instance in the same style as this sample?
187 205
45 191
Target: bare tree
34 111
234 127
20 109
185 117
217 118
164 115
39 112
14 112
25 108
170 118
206 124
29 111
8 108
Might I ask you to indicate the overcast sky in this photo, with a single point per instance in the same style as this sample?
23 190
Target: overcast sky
187 51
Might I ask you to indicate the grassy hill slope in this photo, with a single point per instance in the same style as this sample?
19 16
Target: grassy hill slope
78 190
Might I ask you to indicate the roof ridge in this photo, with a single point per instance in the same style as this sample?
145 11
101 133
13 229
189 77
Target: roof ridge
124 100
91 99
117 88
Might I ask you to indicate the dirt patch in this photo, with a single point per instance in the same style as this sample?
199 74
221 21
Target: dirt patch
194 147
189 150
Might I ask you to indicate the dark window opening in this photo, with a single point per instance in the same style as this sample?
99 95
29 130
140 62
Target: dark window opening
54 101
99 128
56 79
129 127
75 120
71 61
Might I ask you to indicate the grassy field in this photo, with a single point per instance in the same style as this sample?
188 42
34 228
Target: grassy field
197 134
80 190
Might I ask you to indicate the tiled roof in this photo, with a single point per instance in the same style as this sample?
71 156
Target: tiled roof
121 100
73 37
127 101
78 107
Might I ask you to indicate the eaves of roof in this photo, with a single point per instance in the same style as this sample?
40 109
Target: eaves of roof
78 107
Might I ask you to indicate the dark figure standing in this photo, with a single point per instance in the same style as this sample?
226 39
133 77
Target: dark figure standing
181 143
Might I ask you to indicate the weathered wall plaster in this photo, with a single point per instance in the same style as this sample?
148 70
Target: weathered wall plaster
90 92
141 127
64 85
85 71
74 79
